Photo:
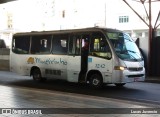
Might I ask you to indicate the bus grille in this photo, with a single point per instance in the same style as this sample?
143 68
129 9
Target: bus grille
135 68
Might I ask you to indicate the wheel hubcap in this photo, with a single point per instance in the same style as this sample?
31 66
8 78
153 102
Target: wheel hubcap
95 81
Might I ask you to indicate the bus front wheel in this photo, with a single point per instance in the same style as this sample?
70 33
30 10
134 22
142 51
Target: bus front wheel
36 73
96 81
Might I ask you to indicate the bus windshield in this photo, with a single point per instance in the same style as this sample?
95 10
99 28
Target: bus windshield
124 46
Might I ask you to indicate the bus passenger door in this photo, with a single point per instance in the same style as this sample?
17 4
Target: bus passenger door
74 59
100 57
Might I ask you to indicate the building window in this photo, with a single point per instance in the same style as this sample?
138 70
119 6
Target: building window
146 34
158 33
10 22
123 19
145 18
139 34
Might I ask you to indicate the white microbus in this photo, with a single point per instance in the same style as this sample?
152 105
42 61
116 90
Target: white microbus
92 55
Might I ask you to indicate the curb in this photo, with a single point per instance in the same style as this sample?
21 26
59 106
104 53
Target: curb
153 80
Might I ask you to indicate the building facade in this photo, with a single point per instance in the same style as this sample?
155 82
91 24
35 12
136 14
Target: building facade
35 15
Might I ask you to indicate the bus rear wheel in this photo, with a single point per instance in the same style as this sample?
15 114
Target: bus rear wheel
96 81
36 73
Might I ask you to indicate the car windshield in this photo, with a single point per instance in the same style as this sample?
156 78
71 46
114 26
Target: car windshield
124 46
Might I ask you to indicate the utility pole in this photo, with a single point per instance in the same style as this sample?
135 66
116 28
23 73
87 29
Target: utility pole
105 15
150 38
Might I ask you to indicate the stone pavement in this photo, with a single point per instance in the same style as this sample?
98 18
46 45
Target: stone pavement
23 98
20 100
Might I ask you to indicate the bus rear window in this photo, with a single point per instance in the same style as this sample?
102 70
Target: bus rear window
21 44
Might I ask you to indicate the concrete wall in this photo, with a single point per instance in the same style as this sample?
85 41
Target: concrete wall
144 45
4 58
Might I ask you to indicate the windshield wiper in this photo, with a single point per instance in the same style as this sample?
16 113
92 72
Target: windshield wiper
126 52
135 53
131 51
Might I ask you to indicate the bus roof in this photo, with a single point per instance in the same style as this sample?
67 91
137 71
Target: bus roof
67 31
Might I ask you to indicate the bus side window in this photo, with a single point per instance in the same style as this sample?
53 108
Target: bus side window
41 44
71 47
59 44
99 46
21 44
74 45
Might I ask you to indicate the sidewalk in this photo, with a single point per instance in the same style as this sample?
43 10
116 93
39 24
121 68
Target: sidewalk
152 79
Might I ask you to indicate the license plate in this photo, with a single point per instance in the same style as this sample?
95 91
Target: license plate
136 79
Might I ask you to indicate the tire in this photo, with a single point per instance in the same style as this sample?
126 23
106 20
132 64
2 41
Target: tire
36 74
120 84
96 81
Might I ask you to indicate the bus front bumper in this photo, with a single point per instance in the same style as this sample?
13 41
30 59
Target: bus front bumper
133 76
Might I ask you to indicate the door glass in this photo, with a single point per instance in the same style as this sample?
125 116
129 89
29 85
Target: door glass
74 45
99 46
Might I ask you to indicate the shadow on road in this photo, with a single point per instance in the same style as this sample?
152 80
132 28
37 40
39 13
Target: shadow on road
136 92
64 86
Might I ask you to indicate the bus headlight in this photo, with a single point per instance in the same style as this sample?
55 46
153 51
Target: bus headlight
119 68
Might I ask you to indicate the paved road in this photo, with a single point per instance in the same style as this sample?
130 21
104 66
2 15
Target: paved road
22 101
135 92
